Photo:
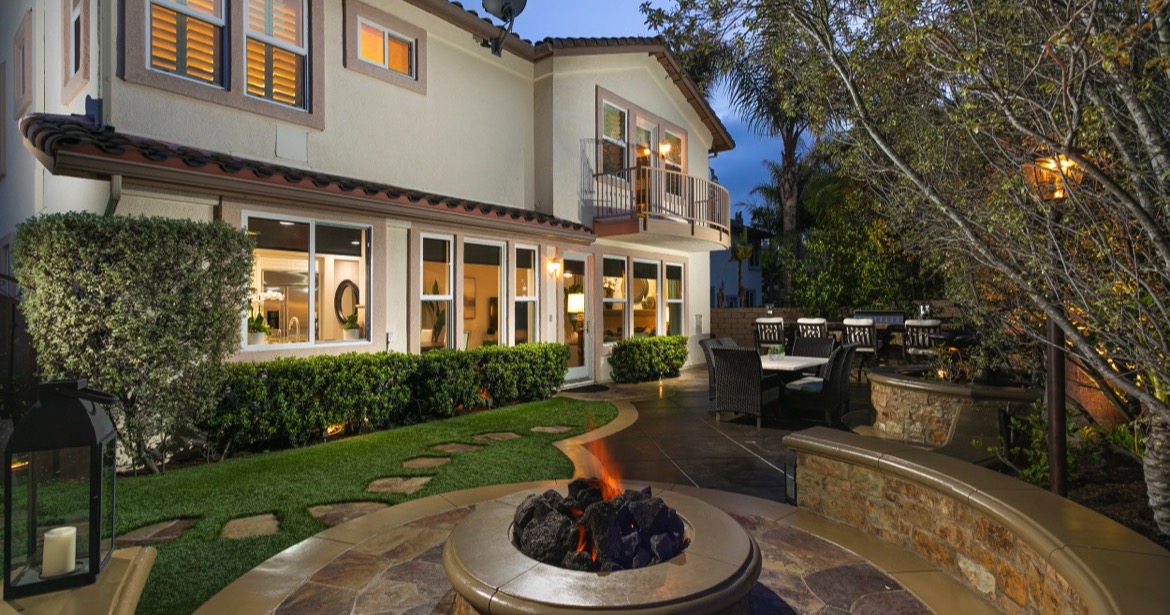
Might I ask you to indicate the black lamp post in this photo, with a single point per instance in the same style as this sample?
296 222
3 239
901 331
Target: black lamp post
1049 178
59 471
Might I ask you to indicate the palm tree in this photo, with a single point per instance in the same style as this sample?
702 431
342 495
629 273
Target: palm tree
741 250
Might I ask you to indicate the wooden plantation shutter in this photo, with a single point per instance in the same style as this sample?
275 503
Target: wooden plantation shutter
276 50
186 38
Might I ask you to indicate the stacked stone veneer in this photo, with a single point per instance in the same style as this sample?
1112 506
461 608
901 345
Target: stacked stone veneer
1026 550
952 536
910 409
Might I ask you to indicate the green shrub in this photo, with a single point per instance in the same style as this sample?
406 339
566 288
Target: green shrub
528 372
145 308
445 382
639 359
292 401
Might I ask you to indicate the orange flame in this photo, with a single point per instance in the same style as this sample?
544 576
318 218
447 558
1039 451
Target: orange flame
611 478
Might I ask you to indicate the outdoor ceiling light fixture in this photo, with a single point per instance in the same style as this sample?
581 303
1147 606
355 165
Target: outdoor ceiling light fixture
506 11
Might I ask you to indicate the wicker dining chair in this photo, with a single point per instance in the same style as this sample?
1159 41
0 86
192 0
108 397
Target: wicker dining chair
828 395
812 327
862 332
916 340
741 386
706 345
769 333
821 347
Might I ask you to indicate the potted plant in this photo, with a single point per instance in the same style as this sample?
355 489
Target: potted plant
257 329
351 329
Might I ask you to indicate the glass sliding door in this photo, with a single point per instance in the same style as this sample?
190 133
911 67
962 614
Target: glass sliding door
575 318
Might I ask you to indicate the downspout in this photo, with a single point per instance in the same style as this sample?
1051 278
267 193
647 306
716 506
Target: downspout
106 22
115 194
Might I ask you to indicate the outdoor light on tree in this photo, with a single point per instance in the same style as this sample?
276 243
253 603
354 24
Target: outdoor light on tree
1049 176
59 491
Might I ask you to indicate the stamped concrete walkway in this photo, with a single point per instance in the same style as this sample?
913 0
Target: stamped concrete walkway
389 561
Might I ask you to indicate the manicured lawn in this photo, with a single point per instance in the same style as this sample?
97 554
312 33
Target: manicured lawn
197 565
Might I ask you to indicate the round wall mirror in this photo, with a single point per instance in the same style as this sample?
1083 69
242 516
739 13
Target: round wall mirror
346 299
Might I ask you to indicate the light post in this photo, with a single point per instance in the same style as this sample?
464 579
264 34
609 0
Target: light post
1049 178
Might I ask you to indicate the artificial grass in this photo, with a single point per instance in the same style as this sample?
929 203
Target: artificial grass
193 568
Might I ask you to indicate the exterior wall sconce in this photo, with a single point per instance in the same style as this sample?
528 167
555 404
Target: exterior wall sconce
59 472
554 267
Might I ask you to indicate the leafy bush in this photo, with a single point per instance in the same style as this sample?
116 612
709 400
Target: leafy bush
528 372
445 381
293 401
145 308
1027 454
638 359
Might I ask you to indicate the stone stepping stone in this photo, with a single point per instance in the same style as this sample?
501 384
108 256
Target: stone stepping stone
247 527
497 436
336 514
425 462
399 484
157 534
457 447
551 429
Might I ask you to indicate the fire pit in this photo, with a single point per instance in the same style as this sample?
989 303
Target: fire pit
713 575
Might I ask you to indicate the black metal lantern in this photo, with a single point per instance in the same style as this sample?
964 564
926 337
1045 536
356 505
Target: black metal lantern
59 492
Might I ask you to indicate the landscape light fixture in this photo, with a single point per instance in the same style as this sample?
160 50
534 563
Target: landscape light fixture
506 11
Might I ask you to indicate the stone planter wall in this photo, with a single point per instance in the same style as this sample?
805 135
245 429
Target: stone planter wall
1024 549
930 412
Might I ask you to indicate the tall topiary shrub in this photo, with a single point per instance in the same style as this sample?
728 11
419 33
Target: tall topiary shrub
145 308
638 359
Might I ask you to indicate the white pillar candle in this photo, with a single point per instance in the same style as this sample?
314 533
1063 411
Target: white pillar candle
60 551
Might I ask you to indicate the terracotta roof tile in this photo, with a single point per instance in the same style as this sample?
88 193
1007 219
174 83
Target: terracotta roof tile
51 134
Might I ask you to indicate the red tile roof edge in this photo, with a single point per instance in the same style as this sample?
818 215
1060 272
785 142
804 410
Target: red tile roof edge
50 134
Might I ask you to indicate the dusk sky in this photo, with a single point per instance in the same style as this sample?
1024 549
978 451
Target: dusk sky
738 170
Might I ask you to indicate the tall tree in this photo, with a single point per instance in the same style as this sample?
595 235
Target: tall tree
954 109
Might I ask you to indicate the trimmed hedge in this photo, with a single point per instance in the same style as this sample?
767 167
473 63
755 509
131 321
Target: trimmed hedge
292 401
638 359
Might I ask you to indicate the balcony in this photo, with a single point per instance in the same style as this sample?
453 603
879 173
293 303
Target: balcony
662 208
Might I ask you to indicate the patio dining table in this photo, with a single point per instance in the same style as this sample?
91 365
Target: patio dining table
790 363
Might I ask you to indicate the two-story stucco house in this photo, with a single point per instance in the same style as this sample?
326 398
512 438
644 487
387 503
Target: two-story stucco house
387 164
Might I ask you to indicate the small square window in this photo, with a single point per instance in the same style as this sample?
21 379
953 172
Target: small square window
382 46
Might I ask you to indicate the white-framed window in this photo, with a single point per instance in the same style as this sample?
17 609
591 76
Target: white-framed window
186 38
436 277
311 281
386 48
276 51
22 66
613 300
526 323
614 146
74 48
674 299
483 269
645 295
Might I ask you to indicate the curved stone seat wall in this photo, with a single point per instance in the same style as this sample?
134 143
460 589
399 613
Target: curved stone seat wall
930 412
1024 549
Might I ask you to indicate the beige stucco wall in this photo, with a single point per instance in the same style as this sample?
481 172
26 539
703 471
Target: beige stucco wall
572 115
469 136
27 188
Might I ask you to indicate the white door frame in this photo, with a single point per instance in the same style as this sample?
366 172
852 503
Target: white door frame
583 372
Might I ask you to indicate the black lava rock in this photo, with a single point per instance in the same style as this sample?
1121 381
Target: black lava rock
548 538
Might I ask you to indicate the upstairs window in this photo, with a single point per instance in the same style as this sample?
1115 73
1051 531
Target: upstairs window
384 48
22 70
613 138
276 50
186 38
75 48
671 151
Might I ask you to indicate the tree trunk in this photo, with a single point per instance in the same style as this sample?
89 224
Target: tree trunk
1157 470
742 290
790 198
